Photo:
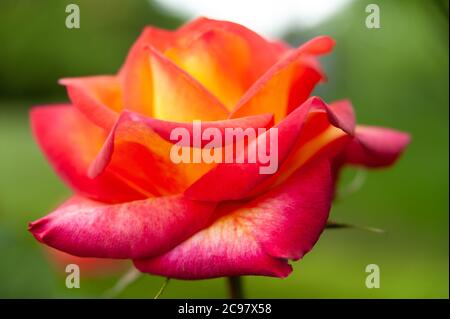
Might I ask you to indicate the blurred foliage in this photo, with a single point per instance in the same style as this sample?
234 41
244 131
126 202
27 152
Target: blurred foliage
396 76
37 49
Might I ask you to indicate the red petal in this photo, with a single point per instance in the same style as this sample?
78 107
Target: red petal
137 229
238 180
375 146
70 142
257 238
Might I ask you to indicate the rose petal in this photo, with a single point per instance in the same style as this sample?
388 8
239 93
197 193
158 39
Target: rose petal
325 134
99 98
70 143
136 75
225 57
239 180
144 143
177 96
286 84
258 238
137 229
136 152
375 146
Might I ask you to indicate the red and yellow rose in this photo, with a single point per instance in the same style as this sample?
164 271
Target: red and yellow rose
199 220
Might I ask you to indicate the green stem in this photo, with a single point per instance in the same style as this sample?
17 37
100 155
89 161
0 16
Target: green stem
235 287
163 287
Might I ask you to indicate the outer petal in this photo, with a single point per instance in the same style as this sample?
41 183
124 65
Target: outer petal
286 84
239 180
158 38
225 57
375 146
70 142
258 238
145 144
99 98
269 50
138 229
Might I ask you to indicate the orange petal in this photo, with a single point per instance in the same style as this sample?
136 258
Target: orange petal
287 84
99 98
177 96
144 143
225 57
133 142
135 74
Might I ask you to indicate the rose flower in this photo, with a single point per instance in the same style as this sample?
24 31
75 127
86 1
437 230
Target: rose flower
199 220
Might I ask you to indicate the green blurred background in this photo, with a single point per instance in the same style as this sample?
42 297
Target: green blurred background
396 76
